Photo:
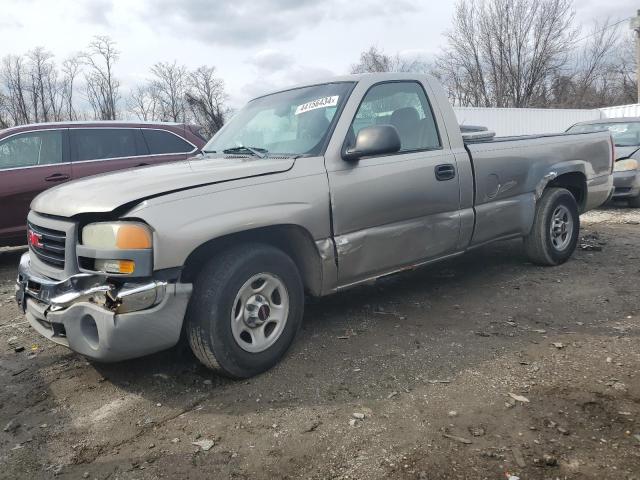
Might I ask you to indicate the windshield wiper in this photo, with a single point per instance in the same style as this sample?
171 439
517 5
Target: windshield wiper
258 152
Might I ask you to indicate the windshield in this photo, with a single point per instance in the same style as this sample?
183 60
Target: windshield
295 122
625 134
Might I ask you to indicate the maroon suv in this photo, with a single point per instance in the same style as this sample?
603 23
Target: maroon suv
36 157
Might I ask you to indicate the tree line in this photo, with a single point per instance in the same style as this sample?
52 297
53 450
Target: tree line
525 53
35 88
498 53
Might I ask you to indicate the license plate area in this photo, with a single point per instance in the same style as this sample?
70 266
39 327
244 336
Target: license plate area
33 288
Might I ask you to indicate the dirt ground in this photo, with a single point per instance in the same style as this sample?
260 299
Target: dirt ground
471 369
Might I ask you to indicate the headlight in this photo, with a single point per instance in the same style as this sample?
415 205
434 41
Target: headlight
116 236
625 165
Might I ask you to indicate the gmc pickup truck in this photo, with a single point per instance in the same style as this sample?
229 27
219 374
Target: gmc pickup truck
312 189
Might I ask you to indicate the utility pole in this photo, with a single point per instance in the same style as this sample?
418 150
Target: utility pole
635 26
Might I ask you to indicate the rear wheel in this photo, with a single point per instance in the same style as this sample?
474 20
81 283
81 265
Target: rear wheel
555 230
245 310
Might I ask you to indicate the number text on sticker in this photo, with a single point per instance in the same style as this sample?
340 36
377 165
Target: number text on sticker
324 102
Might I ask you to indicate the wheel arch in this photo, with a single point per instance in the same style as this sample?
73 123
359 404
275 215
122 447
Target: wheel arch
576 183
292 239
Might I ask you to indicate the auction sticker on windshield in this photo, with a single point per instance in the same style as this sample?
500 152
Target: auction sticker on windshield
324 102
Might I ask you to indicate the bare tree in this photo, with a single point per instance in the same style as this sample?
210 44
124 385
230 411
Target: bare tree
101 85
143 102
176 94
626 68
371 61
70 71
601 73
591 79
15 79
35 90
170 85
506 52
596 60
206 98
5 121
376 60
44 86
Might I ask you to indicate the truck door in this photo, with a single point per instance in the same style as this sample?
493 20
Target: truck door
394 210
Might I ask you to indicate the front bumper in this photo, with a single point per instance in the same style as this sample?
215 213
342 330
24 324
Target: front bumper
627 184
100 320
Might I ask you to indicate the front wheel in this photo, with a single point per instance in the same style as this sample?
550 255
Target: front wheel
245 310
556 226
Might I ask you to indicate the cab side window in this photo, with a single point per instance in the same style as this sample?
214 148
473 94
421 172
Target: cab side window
31 149
162 142
103 143
403 105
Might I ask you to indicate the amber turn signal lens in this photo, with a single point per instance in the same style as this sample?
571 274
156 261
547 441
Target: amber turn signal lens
133 237
127 266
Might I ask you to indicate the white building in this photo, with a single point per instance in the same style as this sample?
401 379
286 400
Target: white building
530 121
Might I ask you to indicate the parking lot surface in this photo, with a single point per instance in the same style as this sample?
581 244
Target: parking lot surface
468 369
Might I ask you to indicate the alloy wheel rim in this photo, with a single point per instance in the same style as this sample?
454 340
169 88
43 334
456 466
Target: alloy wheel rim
259 313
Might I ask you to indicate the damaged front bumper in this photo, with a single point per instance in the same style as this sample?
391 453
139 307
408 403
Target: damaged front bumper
101 320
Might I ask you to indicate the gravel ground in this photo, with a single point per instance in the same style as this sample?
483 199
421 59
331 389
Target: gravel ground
469 369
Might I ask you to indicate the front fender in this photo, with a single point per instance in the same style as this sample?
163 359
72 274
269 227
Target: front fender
185 220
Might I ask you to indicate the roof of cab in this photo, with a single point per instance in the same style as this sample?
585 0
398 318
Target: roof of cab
370 78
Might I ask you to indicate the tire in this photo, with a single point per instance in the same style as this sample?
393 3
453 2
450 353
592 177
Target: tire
223 327
541 245
634 202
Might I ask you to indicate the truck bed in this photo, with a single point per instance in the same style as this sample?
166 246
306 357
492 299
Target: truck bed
510 171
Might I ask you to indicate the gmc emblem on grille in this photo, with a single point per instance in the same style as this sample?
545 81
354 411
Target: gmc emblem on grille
34 239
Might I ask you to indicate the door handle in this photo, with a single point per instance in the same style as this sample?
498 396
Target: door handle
445 171
57 177
142 165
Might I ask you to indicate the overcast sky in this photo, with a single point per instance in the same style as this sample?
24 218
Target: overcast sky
256 45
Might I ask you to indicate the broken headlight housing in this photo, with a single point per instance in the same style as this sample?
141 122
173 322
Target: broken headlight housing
117 237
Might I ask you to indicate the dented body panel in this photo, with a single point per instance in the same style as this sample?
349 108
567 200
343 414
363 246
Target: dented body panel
389 211
511 176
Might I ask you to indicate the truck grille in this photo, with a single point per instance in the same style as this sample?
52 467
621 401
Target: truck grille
47 244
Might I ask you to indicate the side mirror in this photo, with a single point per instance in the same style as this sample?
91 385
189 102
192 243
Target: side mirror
375 140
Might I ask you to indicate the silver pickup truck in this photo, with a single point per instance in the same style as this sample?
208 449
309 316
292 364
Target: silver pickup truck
312 190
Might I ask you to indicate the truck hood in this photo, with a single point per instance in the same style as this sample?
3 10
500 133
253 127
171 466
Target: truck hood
106 192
